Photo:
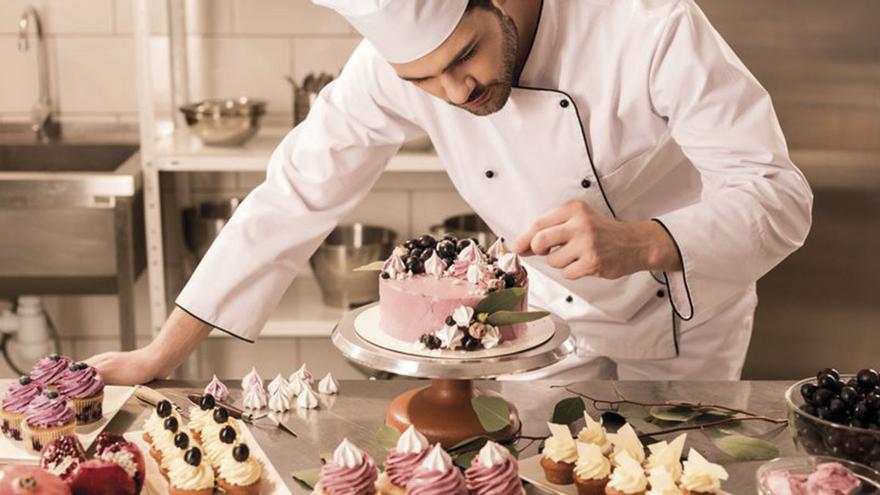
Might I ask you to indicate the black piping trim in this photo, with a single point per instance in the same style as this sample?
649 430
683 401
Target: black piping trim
675 332
233 334
666 276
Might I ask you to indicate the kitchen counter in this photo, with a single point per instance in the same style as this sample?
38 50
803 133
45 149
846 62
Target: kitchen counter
358 412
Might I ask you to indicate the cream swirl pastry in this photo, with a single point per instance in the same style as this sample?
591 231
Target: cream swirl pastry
560 447
435 266
307 399
594 432
328 385
493 472
80 381
190 473
628 477
251 380
700 475
350 472
255 398
303 374
626 440
437 476
408 454
662 482
238 468
591 462
471 254
278 383
217 388
667 455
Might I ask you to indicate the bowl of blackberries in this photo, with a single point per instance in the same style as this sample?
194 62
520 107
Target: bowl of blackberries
837 415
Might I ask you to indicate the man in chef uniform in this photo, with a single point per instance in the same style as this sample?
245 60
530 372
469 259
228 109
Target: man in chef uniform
620 146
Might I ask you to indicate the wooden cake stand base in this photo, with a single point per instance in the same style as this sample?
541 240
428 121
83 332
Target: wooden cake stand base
443 412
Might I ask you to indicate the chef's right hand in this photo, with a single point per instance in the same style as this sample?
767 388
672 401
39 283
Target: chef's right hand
125 368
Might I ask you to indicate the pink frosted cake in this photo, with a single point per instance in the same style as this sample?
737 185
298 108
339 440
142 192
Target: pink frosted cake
429 291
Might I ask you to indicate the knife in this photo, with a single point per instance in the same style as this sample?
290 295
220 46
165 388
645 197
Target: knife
245 416
153 397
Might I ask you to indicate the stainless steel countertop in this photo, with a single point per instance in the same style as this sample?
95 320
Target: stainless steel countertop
359 410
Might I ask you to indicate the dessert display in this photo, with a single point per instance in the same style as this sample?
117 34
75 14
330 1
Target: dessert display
351 471
493 472
328 385
411 449
591 470
30 480
436 474
47 417
15 401
48 370
828 478
238 473
559 456
594 432
63 456
628 476
217 389
837 415
701 476
83 385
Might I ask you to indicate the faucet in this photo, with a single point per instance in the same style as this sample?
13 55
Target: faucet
42 123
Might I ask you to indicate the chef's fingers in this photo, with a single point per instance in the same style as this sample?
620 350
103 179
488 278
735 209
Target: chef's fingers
523 244
583 267
548 238
564 256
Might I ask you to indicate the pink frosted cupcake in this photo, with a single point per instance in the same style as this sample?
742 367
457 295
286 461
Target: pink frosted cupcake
83 385
48 417
401 463
48 371
493 472
14 405
436 475
351 472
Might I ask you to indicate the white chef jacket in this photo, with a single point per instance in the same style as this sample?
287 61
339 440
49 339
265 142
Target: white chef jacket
636 107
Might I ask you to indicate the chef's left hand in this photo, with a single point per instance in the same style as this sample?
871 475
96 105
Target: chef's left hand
581 243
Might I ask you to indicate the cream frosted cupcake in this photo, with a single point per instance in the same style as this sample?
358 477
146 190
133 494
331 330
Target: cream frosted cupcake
560 454
219 419
628 478
188 475
662 482
592 469
155 423
239 473
351 471
14 405
401 463
176 448
667 456
215 447
701 477
83 385
436 475
162 446
626 440
47 372
48 416
594 432
201 415
493 472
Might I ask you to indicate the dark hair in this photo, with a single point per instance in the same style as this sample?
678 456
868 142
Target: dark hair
481 4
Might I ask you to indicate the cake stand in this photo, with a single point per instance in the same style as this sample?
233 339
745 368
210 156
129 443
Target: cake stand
442 411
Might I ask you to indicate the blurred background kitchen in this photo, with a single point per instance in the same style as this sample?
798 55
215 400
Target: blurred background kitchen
100 227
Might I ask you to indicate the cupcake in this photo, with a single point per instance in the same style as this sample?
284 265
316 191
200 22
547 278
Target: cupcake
219 419
436 474
559 456
201 415
667 456
239 473
401 463
47 372
351 471
626 440
175 447
592 470
156 422
701 477
83 385
215 447
628 478
14 404
593 432
48 417
662 482
188 475
217 389
163 449
493 472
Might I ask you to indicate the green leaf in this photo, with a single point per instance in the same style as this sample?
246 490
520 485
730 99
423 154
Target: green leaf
501 300
308 477
500 318
674 414
387 437
493 412
569 410
464 459
638 417
743 448
719 413
375 266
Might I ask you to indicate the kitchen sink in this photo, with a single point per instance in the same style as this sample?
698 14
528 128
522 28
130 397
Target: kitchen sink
64 157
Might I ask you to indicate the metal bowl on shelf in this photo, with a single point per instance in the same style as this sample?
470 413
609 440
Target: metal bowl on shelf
224 122
469 226
346 248
203 222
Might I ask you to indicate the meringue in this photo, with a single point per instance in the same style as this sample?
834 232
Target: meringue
254 398
303 374
497 249
280 401
435 266
462 315
251 379
296 386
217 389
307 399
278 383
328 385
450 337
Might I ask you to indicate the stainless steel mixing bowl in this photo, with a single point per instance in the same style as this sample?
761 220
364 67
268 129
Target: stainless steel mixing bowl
468 226
228 122
346 248
203 222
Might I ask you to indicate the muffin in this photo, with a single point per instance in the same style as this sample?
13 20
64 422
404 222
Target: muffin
83 385
592 469
47 372
14 404
351 471
628 478
188 475
493 472
49 416
701 477
239 473
436 474
401 463
559 456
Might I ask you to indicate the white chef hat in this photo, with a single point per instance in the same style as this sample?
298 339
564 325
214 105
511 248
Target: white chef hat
401 30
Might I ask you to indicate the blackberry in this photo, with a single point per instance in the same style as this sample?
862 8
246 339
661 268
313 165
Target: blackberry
450 321
193 456
207 402
509 280
163 409
427 241
430 341
241 452
24 379
446 249
221 415
170 424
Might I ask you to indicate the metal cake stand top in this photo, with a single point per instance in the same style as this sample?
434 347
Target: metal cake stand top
365 353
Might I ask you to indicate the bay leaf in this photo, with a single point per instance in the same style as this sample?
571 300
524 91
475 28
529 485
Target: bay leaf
308 477
493 412
500 318
501 300
743 448
567 411
674 414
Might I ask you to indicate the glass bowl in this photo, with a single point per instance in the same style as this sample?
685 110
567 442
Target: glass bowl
804 465
817 436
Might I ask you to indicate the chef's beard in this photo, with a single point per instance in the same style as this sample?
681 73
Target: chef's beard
502 86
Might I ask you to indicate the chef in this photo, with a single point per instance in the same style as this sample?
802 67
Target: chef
620 146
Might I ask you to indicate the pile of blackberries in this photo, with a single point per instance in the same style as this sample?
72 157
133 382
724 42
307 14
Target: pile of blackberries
421 249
